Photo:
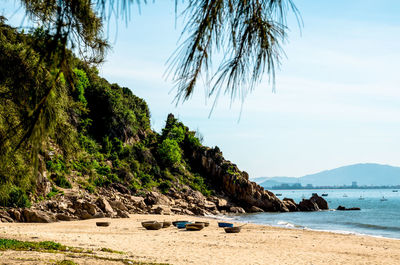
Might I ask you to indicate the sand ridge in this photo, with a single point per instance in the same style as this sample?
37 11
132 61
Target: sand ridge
256 244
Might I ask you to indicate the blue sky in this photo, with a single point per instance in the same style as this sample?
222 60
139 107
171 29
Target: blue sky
337 91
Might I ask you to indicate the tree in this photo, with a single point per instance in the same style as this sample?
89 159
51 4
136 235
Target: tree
248 33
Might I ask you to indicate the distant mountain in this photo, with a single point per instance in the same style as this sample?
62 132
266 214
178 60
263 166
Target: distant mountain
363 174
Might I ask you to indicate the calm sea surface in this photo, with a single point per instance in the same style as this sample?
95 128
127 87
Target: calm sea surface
376 218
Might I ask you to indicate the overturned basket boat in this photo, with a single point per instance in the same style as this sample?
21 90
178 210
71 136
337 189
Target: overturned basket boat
206 224
152 225
194 227
102 223
166 224
235 229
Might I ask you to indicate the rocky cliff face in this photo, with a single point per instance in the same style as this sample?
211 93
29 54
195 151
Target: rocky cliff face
235 184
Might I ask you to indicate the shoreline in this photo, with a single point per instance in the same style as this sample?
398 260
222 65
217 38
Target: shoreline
256 244
299 227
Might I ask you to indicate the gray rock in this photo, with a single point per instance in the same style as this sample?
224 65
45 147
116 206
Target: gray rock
255 209
118 205
36 216
236 209
104 205
64 217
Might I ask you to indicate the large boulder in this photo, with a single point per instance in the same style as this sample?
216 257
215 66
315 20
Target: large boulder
118 205
138 202
36 216
308 206
156 198
161 209
290 204
255 209
104 205
321 202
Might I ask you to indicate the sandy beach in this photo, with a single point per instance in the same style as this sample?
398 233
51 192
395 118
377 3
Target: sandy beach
256 244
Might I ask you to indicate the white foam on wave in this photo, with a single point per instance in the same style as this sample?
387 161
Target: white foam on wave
286 224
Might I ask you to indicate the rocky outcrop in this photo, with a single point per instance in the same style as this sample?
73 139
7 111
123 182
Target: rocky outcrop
342 208
315 203
235 184
290 204
321 202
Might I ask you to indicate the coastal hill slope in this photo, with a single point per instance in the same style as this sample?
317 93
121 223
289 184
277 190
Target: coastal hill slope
84 147
369 174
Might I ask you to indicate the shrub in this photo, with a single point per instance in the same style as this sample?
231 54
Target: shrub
193 141
54 191
177 134
165 186
170 152
18 198
60 181
81 83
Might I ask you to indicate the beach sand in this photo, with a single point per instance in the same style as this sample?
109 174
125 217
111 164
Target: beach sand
256 244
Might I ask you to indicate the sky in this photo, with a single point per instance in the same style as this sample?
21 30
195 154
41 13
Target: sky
337 91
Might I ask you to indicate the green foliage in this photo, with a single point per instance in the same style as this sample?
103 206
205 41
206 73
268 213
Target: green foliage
165 186
60 180
11 244
177 134
197 183
56 165
193 141
17 198
81 83
170 152
54 191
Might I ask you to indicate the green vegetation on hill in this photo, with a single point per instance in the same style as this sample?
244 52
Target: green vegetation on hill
88 133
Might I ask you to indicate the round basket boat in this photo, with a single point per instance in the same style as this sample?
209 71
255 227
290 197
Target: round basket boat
175 223
181 225
166 224
102 223
206 224
235 229
194 227
222 224
152 225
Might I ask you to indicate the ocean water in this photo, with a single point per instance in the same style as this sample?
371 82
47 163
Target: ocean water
376 218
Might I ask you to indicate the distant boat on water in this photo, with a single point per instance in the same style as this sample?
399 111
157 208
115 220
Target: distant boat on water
278 194
383 199
394 190
361 197
324 194
345 195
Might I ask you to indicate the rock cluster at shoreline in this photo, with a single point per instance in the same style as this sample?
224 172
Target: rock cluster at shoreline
114 204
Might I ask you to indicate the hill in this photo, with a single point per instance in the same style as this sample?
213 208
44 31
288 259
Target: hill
364 174
79 147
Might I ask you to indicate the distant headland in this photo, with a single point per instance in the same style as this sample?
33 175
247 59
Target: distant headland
357 176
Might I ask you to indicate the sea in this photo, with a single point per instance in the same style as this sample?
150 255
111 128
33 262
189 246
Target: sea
379 215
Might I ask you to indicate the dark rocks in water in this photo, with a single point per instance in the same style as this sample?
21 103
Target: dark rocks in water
321 202
290 204
342 208
315 203
308 206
